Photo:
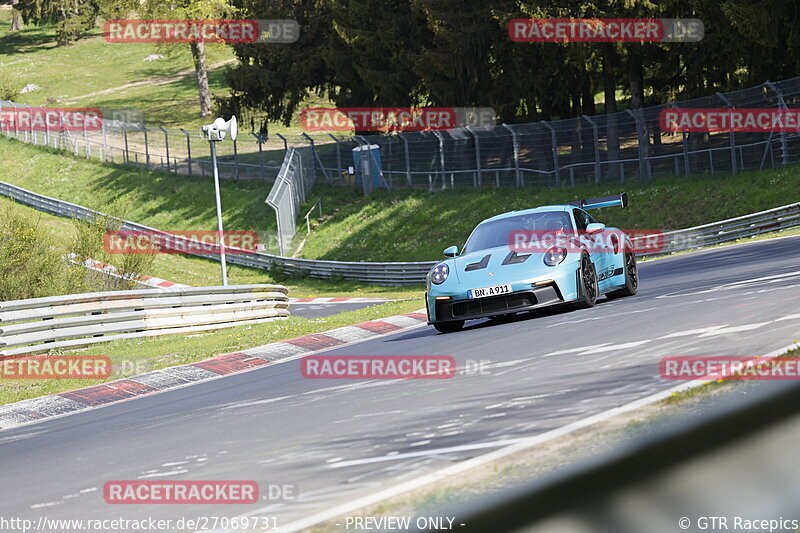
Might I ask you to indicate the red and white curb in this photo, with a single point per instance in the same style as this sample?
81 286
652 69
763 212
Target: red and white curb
150 281
36 409
159 283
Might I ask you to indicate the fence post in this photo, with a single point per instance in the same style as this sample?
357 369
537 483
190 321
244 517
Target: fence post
166 144
781 103
441 156
476 181
188 150
260 138
313 152
146 148
105 140
515 144
408 160
596 149
644 172
16 129
285 144
125 134
729 105
28 133
338 157
554 143
47 132
685 145
235 161
86 140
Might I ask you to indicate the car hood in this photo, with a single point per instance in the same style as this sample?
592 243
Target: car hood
494 266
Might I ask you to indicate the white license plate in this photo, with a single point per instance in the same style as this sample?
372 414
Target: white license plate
494 290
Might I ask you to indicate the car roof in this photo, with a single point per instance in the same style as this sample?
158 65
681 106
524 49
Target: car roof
541 209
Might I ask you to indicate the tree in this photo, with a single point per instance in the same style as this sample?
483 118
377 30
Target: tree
178 9
71 17
16 16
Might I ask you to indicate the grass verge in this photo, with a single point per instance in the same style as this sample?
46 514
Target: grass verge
417 225
135 356
202 272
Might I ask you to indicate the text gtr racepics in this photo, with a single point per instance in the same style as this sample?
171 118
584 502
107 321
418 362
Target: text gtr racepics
533 258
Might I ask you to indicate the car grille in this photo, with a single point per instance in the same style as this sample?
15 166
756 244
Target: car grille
492 304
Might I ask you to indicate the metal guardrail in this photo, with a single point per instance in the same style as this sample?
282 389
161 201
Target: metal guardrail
42 324
732 229
394 273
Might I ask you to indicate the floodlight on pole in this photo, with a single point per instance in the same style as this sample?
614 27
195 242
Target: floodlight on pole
214 133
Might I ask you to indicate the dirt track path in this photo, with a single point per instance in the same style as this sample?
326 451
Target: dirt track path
162 80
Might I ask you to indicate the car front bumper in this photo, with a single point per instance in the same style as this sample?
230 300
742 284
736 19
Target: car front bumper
513 302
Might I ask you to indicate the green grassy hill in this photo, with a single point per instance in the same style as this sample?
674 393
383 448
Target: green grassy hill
402 225
417 225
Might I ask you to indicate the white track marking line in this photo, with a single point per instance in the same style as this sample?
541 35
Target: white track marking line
688 332
522 445
613 347
424 453
788 317
255 402
734 329
635 312
575 350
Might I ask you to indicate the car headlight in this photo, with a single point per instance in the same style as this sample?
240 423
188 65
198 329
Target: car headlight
440 273
555 255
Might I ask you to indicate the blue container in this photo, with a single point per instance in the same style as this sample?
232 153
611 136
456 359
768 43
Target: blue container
367 165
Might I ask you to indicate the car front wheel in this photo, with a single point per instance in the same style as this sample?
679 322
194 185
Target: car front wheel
587 283
631 286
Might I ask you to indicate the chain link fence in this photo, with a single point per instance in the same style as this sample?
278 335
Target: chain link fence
253 156
624 147
295 178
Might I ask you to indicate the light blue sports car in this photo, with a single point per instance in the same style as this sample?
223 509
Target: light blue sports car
533 258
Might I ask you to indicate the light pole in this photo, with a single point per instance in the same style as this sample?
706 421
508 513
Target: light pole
214 133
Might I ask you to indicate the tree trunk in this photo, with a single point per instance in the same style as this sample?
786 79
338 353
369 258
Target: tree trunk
16 16
199 57
62 37
610 60
635 82
587 108
636 85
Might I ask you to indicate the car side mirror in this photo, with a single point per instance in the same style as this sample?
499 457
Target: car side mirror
595 227
451 252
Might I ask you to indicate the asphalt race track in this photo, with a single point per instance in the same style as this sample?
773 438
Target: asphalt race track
335 440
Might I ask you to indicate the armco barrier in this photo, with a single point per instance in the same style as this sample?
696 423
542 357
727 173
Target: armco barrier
776 219
41 324
414 272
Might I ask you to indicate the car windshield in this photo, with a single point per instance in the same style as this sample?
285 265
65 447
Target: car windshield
499 232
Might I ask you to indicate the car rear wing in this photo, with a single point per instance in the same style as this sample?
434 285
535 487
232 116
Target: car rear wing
606 201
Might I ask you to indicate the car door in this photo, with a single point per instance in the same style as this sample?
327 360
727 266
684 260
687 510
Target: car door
599 249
